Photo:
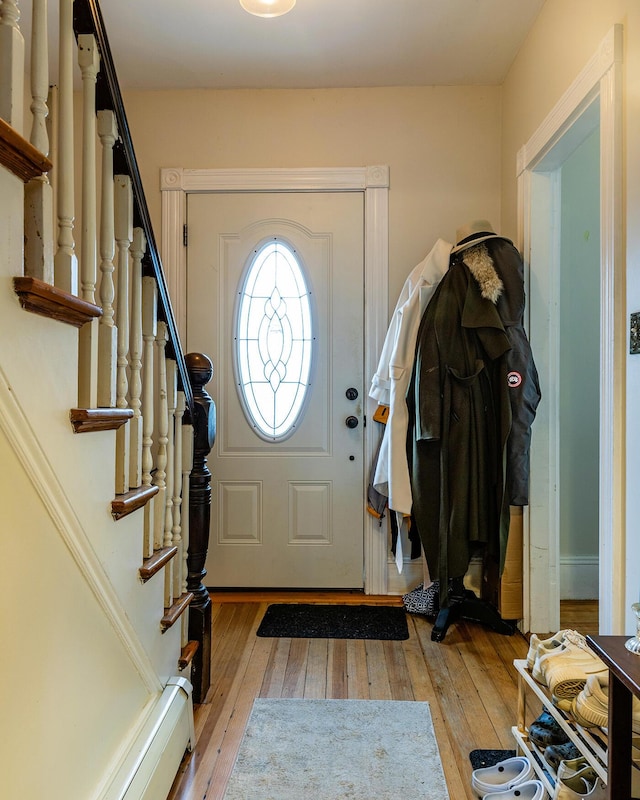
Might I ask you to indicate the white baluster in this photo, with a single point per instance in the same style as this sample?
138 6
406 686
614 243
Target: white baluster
138 249
177 497
187 465
149 331
52 133
162 428
89 61
172 399
38 196
123 203
12 49
107 336
65 260
39 76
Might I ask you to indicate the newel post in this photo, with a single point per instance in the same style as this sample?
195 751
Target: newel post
200 371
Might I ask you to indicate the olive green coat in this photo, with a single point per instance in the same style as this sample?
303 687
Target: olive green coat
460 418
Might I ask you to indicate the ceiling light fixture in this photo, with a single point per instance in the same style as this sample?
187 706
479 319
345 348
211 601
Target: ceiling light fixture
267 8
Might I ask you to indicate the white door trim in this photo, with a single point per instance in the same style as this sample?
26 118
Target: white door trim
600 79
176 183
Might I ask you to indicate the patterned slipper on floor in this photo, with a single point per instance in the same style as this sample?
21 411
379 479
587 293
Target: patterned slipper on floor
423 601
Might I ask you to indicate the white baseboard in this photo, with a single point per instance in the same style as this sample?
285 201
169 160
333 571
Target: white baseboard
579 577
411 576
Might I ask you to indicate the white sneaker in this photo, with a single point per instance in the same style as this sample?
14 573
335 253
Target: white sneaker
565 669
590 708
569 767
530 790
540 647
583 784
502 776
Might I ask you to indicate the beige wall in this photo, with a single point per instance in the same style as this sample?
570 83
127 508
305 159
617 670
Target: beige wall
565 36
69 687
442 145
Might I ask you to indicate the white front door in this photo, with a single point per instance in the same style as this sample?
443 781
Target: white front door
287 510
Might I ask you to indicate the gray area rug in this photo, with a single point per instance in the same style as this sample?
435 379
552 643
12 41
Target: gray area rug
338 750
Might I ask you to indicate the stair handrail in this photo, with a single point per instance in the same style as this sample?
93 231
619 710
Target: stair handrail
87 19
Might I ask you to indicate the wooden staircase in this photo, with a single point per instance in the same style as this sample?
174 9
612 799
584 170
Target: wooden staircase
108 343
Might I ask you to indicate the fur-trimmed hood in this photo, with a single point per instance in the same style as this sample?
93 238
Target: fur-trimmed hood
481 266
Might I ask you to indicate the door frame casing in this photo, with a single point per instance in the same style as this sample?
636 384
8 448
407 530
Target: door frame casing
176 183
537 177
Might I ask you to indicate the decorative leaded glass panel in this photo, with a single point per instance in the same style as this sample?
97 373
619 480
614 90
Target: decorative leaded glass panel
274 340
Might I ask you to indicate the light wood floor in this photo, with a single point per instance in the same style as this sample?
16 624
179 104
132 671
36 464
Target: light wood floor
581 615
468 680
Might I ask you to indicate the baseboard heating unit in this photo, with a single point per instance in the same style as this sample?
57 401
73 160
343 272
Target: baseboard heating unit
152 763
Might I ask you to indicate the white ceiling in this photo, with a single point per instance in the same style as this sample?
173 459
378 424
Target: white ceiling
179 44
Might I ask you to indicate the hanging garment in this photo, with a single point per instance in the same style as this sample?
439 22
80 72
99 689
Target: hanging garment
390 383
484 250
460 419
376 502
522 376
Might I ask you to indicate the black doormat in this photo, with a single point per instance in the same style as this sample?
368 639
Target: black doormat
487 758
312 621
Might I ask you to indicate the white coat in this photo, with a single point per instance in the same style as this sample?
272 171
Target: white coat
391 381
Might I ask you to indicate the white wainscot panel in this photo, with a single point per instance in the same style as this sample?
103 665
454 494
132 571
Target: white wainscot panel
310 513
240 512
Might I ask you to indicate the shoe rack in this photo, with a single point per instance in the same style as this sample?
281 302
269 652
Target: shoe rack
592 743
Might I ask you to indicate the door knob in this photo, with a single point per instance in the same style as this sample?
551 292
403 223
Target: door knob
351 422
351 393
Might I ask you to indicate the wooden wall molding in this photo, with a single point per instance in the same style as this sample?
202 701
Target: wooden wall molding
537 165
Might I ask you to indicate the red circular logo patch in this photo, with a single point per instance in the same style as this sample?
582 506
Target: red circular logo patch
514 379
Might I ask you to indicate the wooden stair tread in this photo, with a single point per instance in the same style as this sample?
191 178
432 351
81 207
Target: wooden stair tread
187 654
156 562
175 611
20 156
49 301
87 420
132 500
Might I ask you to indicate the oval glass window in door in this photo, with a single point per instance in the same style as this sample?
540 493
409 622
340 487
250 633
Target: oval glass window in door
274 340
